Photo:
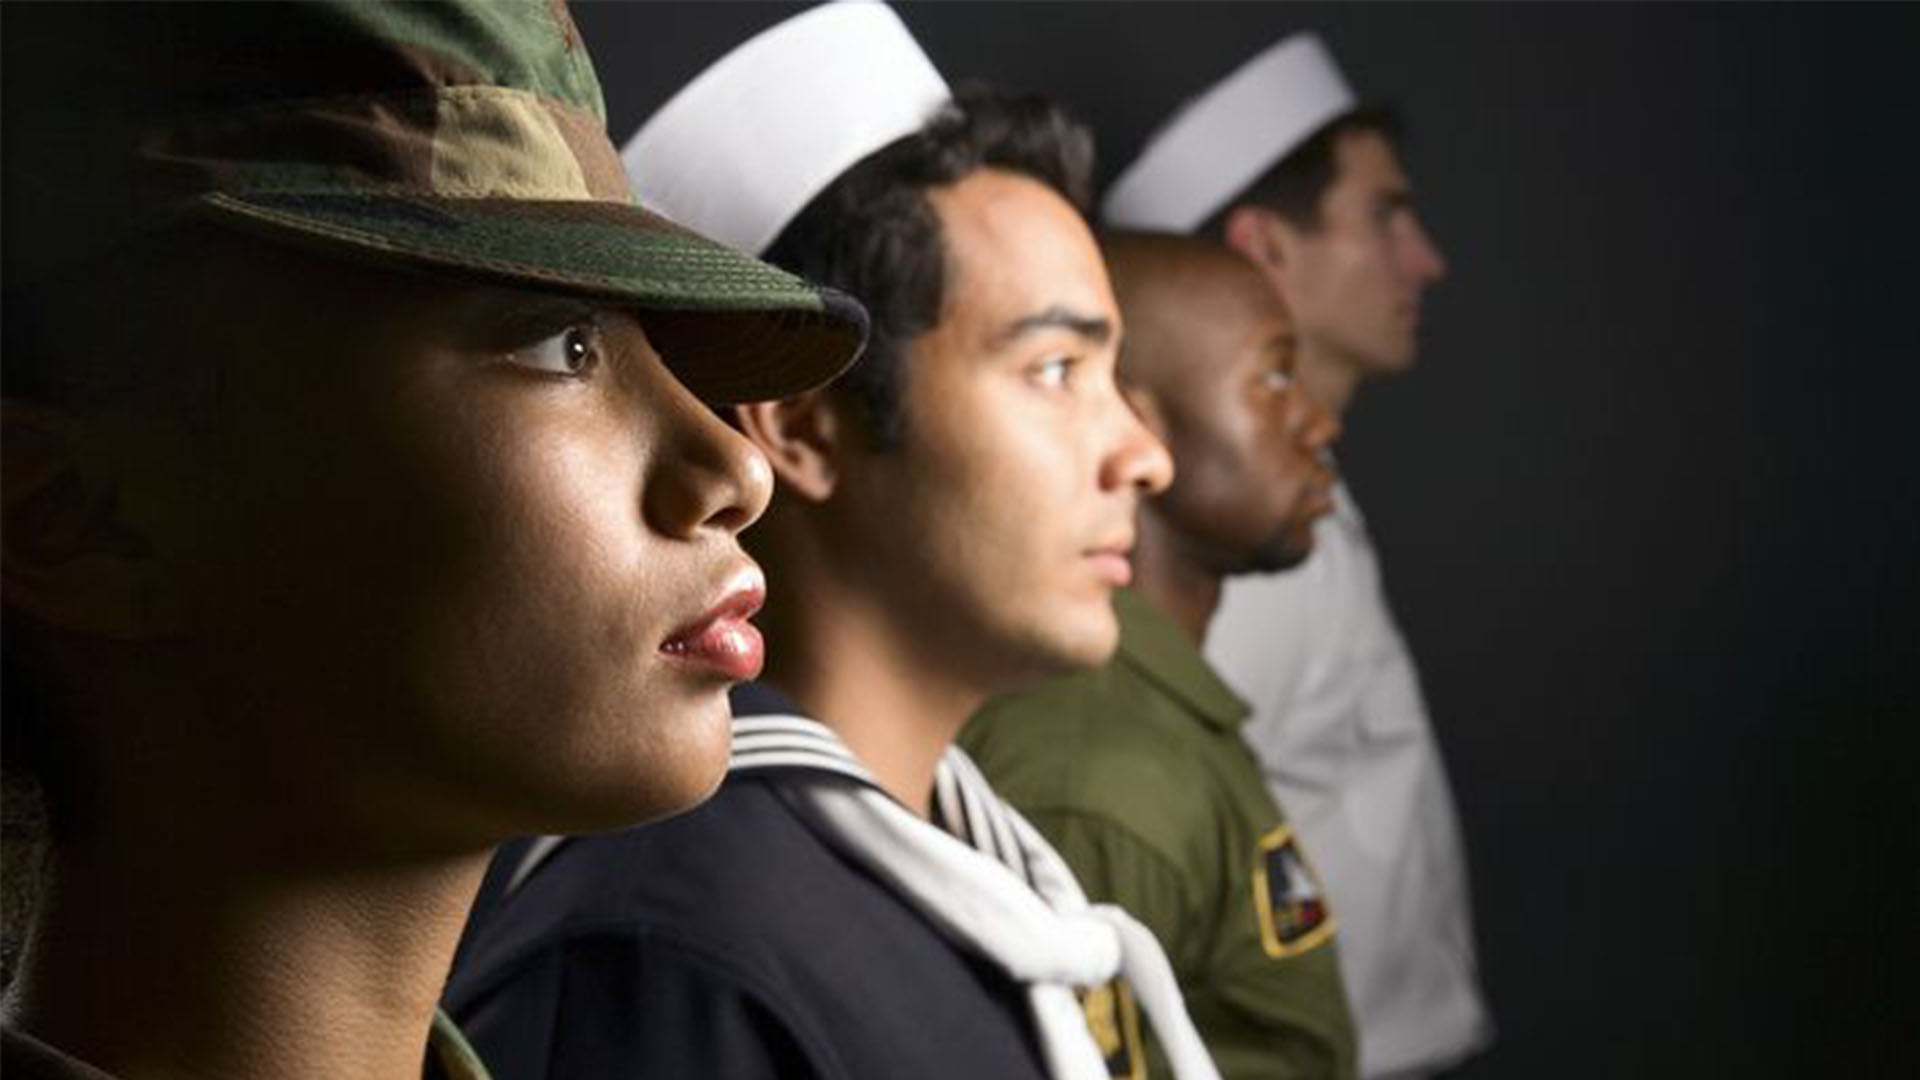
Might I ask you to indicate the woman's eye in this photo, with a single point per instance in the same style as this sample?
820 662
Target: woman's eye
1275 379
570 352
1053 373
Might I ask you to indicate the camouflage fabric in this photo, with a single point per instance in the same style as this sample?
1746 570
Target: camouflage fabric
466 136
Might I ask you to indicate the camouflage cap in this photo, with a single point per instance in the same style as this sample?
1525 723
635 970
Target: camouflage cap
464 137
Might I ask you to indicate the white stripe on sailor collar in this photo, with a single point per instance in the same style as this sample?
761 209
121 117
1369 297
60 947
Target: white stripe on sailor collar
786 741
775 741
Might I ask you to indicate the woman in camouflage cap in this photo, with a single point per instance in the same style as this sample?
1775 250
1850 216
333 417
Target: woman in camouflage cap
363 508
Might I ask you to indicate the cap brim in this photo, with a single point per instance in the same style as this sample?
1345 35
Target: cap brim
739 329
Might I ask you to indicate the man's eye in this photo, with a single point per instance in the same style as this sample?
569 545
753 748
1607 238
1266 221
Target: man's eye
1275 379
1053 372
570 352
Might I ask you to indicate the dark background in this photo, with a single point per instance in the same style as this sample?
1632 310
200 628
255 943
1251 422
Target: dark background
1647 507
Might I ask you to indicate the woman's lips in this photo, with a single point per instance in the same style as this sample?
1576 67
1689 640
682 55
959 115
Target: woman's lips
723 639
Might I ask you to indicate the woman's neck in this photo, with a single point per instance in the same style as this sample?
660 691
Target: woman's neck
183 961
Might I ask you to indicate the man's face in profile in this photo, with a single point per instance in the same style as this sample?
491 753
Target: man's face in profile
1246 440
1008 512
1354 282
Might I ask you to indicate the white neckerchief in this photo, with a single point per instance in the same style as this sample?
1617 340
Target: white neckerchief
989 881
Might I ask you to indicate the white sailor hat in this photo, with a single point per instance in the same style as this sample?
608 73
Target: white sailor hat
743 148
1223 140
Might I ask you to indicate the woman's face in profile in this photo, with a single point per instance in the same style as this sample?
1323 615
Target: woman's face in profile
469 555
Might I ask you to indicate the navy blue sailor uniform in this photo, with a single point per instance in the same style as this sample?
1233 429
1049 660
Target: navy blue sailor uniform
750 937
731 941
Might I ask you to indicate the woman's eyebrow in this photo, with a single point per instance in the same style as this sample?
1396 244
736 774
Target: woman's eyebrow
514 313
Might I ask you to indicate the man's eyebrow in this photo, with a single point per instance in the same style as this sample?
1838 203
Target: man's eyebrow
1096 329
1395 198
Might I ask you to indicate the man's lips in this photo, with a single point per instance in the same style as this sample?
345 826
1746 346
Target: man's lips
1111 564
1315 500
723 639
1315 504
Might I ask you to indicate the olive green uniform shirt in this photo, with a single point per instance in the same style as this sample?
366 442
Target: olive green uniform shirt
1137 773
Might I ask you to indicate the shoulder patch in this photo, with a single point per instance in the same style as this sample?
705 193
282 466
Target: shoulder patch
1114 1021
1287 897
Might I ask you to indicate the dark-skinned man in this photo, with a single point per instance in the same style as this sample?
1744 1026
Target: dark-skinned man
1136 771
1284 163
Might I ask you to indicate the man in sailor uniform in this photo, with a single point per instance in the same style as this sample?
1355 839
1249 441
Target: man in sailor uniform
951 520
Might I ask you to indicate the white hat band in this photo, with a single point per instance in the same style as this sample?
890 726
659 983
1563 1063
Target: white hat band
743 148
1221 141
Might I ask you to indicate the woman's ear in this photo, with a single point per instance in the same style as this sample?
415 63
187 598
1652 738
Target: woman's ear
67 557
802 437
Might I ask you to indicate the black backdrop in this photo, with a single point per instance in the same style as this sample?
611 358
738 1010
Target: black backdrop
1646 507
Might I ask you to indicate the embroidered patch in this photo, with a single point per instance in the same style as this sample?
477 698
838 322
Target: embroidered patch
1115 1023
1287 896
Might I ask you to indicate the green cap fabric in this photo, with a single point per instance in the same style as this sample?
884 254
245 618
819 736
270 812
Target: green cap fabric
465 137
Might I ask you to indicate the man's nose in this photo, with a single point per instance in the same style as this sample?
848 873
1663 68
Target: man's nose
1312 427
1137 459
1425 262
1321 429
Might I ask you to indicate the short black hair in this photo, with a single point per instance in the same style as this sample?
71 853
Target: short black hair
872 232
1294 186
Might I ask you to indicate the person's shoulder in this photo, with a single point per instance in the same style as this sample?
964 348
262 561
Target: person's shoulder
741 913
675 869
702 879
1110 747
712 911
624 1001
1109 707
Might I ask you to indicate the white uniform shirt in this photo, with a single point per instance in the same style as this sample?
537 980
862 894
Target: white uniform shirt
1342 735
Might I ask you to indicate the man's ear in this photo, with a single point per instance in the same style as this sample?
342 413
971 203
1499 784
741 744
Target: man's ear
1256 233
1266 240
802 437
66 556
